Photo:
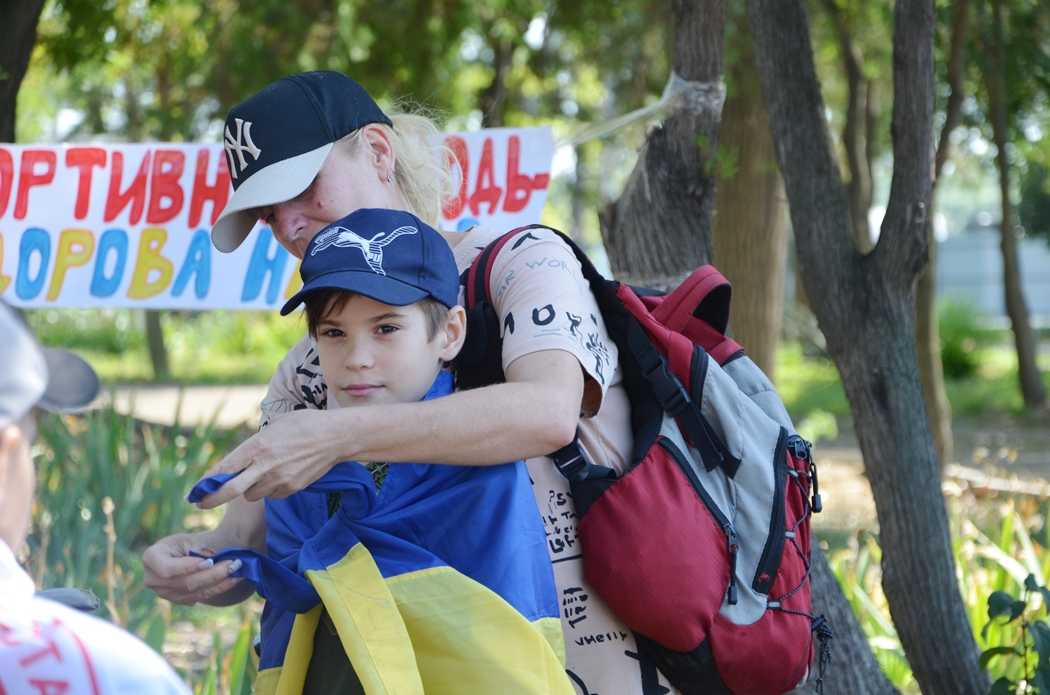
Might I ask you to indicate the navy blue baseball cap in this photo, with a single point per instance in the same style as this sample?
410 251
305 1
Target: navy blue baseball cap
390 256
277 140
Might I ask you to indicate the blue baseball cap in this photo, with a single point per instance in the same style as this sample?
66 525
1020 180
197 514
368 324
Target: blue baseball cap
277 140
390 256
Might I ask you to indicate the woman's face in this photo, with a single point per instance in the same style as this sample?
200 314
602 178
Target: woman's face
355 175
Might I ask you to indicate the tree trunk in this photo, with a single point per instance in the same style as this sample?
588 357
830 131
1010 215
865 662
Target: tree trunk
580 206
865 306
493 98
856 129
1032 388
158 352
928 350
853 669
17 37
750 225
659 229
928 337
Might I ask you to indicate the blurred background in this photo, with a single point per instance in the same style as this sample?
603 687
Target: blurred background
184 386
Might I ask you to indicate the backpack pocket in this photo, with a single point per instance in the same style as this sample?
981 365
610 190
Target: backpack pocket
656 552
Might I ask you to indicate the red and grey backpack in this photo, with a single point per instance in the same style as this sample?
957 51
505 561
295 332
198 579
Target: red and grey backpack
702 547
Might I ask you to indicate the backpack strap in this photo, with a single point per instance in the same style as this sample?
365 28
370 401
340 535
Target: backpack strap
699 309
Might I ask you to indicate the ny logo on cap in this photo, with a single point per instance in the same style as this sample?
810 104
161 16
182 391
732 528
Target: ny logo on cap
371 249
240 144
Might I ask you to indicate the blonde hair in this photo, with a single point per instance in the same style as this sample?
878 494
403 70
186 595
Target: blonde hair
426 170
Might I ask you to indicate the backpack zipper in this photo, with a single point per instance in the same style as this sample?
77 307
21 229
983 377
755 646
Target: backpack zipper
769 561
724 522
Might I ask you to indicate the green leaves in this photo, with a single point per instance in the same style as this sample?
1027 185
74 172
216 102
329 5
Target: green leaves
1033 640
1002 686
1001 604
988 654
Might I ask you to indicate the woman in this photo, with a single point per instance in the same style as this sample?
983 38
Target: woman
306 151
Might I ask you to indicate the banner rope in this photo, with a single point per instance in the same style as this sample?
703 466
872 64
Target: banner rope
679 95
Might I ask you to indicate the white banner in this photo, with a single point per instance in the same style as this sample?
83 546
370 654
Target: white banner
129 225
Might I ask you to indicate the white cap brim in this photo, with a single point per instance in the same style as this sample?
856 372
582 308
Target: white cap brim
276 183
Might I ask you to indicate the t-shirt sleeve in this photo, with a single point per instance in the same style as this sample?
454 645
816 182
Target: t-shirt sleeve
544 303
296 384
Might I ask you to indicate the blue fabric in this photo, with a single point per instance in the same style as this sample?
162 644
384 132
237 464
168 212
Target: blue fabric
481 521
208 485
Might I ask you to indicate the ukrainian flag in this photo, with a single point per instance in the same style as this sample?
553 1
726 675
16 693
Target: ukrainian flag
439 582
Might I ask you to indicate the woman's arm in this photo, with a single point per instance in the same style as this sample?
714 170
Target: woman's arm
534 413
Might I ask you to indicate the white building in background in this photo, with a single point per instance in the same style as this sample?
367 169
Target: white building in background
970 270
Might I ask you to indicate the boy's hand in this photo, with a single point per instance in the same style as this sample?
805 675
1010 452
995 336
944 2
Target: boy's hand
174 574
283 458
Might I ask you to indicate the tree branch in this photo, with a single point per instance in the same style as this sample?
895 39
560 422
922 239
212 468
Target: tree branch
811 175
903 242
856 135
960 29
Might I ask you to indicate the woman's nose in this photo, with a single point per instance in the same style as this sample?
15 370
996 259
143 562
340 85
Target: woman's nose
287 225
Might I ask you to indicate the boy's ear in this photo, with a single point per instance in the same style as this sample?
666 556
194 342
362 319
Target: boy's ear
453 334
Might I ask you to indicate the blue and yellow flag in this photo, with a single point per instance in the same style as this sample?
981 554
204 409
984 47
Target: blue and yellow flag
439 582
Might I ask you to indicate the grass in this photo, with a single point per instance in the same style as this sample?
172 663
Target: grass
810 386
996 542
214 347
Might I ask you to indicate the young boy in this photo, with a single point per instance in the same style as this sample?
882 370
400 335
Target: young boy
430 576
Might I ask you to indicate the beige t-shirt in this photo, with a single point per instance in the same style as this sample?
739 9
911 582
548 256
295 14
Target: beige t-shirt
543 303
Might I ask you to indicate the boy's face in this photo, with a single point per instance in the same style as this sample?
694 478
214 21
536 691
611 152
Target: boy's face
377 353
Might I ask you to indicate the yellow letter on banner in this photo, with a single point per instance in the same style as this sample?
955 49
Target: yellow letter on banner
4 279
149 259
295 283
75 247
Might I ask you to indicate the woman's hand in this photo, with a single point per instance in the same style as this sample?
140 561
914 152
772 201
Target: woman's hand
283 458
173 573
176 575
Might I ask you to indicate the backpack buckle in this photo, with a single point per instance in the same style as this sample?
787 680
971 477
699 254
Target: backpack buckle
573 465
669 392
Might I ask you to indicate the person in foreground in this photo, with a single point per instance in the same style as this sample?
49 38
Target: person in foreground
429 578
321 148
46 647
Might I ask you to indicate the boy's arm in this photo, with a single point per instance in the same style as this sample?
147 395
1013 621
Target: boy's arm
534 413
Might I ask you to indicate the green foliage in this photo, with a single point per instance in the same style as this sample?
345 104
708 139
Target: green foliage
107 487
1033 210
810 387
105 330
1028 649
208 347
999 553
232 671
961 333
